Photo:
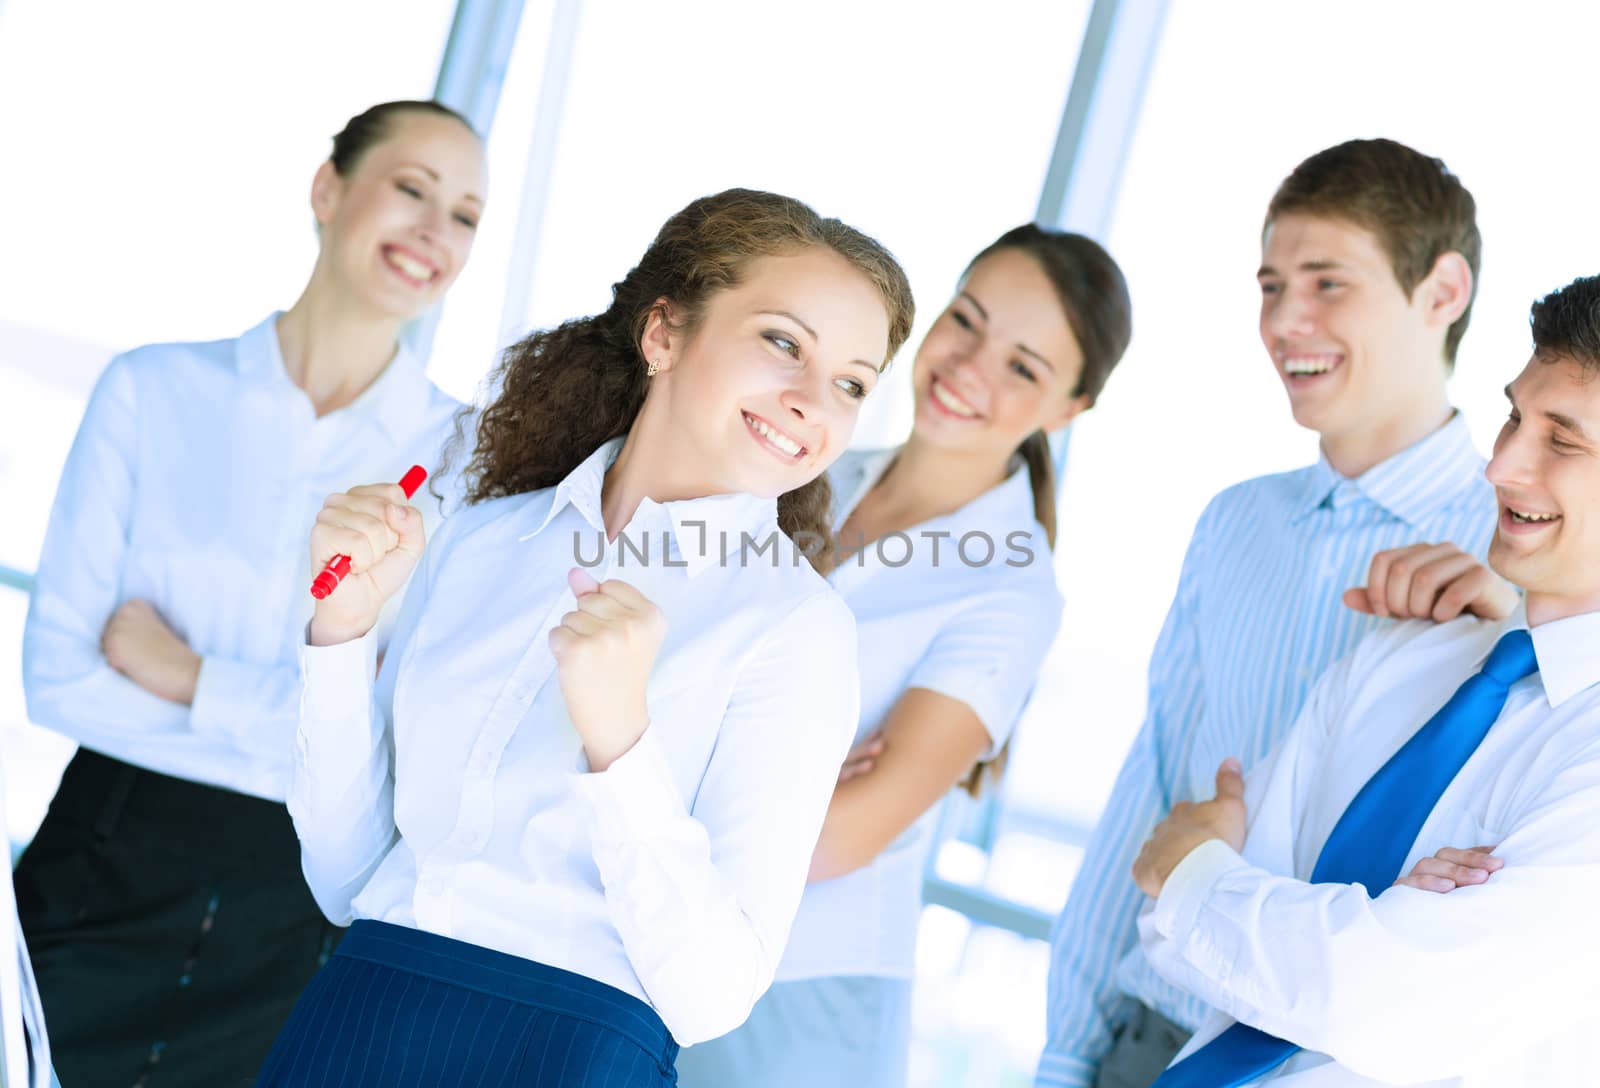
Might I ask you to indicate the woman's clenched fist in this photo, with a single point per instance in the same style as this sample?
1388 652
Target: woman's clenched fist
604 651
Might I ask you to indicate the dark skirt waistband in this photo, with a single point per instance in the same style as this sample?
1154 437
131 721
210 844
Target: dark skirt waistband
511 978
105 798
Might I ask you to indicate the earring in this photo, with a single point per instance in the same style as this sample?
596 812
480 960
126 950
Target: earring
650 371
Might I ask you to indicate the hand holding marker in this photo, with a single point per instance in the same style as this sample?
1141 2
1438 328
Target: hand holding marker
339 565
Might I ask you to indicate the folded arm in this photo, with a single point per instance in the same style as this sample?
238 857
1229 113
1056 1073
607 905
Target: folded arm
1362 979
69 684
929 742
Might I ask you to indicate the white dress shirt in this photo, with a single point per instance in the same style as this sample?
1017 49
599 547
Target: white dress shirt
946 620
24 1045
1489 985
454 796
192 484
1257 618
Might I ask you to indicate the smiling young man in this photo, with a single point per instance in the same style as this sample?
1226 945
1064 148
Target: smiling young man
1426 735
1369 262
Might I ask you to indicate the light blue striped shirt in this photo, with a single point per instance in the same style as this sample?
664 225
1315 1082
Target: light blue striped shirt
1257 618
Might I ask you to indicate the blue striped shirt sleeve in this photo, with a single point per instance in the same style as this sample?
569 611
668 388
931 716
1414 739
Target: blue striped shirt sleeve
1099 925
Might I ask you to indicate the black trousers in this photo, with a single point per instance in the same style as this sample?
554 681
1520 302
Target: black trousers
170 928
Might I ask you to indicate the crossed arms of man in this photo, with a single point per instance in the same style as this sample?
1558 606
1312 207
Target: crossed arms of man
1402 987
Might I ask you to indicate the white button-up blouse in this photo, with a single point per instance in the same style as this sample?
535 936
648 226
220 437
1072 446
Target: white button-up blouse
453 794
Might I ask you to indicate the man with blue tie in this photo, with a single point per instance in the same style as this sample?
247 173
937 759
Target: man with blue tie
1369 261
1275 902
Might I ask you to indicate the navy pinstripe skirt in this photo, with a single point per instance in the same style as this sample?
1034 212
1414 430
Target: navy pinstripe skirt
401 1007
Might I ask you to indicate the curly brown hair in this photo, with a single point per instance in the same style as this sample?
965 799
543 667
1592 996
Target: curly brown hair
562 393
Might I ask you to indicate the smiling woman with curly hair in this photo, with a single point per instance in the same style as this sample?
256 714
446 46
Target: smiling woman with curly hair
572 819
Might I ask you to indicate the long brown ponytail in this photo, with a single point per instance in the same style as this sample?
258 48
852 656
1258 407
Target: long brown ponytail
1094 296
562 393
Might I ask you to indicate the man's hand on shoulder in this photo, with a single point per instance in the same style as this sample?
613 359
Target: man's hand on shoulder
1431 581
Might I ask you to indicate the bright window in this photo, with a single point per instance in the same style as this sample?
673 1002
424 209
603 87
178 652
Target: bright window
928 126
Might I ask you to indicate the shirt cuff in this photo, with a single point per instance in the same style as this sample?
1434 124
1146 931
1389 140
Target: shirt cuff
337 680
214 709
1187 888
634 798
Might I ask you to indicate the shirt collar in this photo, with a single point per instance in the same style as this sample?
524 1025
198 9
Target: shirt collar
398 400
1568 651
257 354
1411 485
1003 509
581 488
703 530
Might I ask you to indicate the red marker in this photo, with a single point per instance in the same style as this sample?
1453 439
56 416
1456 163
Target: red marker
339 565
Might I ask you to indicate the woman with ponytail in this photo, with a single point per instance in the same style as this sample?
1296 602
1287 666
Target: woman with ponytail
945 560
162 898
572 818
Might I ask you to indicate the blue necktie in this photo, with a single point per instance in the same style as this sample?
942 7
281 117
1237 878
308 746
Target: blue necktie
1372 839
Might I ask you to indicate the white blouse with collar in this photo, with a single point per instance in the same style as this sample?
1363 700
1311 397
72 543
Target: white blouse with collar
192 484
453 794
